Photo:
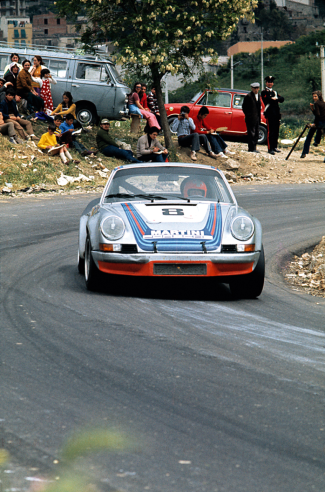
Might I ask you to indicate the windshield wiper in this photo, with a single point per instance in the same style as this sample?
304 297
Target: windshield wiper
139 195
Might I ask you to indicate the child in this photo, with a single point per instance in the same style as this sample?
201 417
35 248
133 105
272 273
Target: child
48 142
46 81
67 128
62 137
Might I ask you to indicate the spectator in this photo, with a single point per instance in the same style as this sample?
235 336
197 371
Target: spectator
48 143
45 82
67 128
108 146
184 125
153 104
8 129
148 147
143 97
218 145
3 87
10 113
14 58
35 72
62 137
21 104
12 74
25 89
252 110
67 107
318 108
136 108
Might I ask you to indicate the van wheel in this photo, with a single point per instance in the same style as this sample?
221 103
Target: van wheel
86 115
262 135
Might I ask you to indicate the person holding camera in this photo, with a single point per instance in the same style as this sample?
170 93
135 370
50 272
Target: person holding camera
185 128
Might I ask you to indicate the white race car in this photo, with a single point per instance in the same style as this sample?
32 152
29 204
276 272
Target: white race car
171 220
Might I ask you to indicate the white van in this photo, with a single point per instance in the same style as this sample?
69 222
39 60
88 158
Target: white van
93 81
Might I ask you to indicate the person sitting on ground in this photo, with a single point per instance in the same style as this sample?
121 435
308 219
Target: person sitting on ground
108 146
12 74
10 113
3 87
143 97
21 104
67 106
184 125
148 147
14 58
8 129
136 108
153 104
218 145
318 108
48 143
25 89
67 128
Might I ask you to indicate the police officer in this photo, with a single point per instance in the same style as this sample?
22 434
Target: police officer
252 110
271 100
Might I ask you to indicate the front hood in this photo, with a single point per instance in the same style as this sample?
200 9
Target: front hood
175 227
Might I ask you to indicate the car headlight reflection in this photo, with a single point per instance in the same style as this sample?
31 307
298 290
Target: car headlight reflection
242 228
113 227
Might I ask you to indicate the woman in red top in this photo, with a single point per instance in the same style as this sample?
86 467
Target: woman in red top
136 107
218 145
143 97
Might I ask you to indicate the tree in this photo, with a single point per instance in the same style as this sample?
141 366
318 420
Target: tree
162 36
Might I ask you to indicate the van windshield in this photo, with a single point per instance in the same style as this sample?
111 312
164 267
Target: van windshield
115 73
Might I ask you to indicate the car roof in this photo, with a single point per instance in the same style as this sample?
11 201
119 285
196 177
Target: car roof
30 51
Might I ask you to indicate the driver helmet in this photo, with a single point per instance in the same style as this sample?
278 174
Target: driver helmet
194 187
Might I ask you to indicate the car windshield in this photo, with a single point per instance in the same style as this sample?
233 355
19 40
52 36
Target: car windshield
167 183
194 98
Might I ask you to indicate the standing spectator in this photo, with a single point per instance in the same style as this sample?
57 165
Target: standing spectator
149 148
136 108
218 145
10 113
108 146
14 58
153 104
271 100
318 108
8 129
25 89
45 82
35 72
48 143
12 74
184 125
252 110
143 96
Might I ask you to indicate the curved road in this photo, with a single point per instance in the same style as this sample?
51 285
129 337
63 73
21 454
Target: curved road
220 395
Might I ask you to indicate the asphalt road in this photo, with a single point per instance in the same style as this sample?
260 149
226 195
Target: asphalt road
219 395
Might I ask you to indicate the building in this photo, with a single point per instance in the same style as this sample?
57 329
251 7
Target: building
49 30
10 8
16 30
252 46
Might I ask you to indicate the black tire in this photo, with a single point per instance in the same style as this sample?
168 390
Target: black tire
262 135
171 120
81 264
251 285
86 114
93 277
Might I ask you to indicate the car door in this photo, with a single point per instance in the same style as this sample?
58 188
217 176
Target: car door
238 117
220 110
90 81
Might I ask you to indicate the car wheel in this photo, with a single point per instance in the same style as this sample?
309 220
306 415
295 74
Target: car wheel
250 286
93 276
86 115
81 264
171 120
262 135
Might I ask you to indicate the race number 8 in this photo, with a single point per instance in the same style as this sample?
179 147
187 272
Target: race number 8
172 211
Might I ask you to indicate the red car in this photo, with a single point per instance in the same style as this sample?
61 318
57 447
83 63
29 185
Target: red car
225 111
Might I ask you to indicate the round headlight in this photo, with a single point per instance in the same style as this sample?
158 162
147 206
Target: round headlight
242 228
113 227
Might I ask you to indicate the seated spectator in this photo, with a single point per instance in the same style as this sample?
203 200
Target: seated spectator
3 87
136 108
67 107
14 58
35 72
25 89
153 104
8 108
61 137
8 129
148 146
67 128
184 125
48 143
12 74
108 146
21 104
143 97
218 145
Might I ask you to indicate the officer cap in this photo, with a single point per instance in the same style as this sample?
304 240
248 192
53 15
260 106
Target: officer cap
269 78
255 85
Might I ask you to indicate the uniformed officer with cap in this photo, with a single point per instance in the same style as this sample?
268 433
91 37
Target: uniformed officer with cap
271 100
252 110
